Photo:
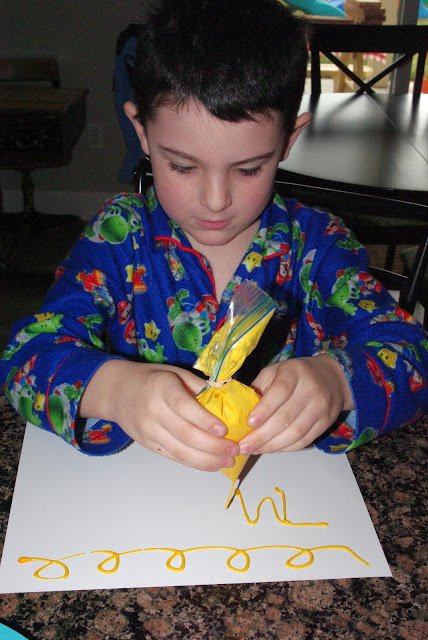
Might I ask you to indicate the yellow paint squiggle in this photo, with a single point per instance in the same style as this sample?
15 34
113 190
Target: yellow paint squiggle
282 520
113 556
49 563
180 554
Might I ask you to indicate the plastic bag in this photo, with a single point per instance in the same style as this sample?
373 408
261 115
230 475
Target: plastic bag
230 400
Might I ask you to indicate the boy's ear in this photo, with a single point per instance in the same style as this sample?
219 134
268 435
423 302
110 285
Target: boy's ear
302 121
131 111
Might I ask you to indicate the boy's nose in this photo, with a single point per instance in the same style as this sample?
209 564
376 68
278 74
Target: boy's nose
216 195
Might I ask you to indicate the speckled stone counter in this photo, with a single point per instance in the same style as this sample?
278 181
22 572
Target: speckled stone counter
391 473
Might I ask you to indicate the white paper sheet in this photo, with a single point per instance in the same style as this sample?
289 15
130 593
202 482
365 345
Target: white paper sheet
78 510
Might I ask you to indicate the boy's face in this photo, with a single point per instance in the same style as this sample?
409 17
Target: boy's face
213 178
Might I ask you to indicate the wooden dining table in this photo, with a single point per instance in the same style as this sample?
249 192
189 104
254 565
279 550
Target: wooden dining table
376 145
410 116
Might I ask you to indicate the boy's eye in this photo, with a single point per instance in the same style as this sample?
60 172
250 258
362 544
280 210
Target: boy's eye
250 172
179 168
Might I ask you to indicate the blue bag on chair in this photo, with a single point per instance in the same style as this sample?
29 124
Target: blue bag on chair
123 91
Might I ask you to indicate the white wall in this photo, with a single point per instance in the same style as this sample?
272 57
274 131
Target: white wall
82 35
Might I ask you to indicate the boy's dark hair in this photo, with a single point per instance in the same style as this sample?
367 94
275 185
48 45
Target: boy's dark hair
238 58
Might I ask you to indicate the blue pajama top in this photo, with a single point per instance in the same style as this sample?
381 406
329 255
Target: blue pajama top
133 287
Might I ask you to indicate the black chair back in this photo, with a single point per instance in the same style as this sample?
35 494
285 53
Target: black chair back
412 287
143 175
407 40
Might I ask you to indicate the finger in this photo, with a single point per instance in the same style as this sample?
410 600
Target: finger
290 424
189 433
300 434
193 383
173 449
264 379
276 395
189 422
187 407
274 426
200 462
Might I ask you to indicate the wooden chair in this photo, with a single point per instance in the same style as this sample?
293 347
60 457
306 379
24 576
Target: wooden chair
34 137
330 70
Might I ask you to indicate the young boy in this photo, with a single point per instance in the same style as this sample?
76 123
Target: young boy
218 85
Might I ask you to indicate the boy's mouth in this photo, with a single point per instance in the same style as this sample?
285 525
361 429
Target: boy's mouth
213 225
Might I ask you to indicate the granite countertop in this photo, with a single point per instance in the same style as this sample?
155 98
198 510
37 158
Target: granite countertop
391 473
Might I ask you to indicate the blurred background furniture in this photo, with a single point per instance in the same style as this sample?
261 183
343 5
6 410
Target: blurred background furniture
359 12
410 258
362 144
406 40
412 284
143 175
365 11
389 145
40 123
317 8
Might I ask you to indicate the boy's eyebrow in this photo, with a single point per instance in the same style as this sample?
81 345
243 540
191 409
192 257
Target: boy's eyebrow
181 154
263 156
187 156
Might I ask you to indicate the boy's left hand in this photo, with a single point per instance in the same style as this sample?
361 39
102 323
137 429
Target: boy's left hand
300 400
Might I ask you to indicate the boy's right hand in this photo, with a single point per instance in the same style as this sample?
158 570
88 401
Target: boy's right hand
155 405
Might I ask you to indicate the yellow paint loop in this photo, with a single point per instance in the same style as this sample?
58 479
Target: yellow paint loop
113 555
239 552
50 563
290 564
177 554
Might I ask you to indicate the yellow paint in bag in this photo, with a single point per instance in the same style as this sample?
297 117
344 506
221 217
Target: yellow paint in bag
231 401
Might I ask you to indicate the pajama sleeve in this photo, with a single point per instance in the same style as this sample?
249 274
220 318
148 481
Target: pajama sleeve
350 316
53 354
